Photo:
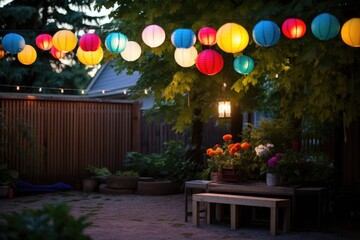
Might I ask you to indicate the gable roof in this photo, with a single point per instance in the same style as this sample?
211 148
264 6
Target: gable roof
107 83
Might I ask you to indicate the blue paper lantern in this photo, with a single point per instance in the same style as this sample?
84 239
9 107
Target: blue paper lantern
183 38
325 26
243 64
266 33
116 42
13 43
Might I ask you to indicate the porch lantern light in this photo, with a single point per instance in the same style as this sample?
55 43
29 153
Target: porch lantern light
350 32
224 109
64 41
232 38
185 57
13 43
44 41
28 55
56 53
116 42
243 64
293 28
90 58
266 33
131 52
90 42
183 38
153 36
209 62
325 26
207 36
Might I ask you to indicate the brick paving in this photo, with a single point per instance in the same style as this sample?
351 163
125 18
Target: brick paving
133 217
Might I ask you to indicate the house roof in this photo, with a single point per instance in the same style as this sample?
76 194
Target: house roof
107 83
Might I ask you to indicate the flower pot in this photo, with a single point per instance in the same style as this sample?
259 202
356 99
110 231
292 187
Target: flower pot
272 179
90 185
230 175
216 176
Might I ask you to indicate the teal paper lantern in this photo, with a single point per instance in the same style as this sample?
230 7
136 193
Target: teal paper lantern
266 33
325 26
116 42
13 43
183 38
243 64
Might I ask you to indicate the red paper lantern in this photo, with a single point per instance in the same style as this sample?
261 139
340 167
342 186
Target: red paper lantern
209 62
207 36
293 28
56 53
90 42
44 41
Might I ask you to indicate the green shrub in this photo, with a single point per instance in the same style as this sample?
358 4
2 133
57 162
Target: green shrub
98 173
53 222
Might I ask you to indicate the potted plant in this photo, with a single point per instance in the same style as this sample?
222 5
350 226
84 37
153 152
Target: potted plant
126 180
8 178
97 174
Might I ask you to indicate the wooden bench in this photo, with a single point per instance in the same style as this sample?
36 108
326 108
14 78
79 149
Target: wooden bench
238 200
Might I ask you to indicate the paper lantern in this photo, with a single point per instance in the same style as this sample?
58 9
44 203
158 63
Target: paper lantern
89 42
153 36
350 32
185 57
28 55
207 36
209 62
56 53
116 42
44 41
64 41
266 33
293 28
90 58
132 51
232 38
2 52
325 26
243 64
183 38
13 43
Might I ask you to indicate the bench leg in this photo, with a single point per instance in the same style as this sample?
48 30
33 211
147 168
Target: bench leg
208 212
273 220
287 219
195 213
234 217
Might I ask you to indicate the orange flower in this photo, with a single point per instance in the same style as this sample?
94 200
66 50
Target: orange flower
245 145
227 137
218 150
235 148
209 152
230 146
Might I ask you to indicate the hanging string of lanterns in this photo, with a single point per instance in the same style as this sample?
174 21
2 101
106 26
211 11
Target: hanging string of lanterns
230 38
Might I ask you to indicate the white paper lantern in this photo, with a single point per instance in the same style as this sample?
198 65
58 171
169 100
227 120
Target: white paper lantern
131 52
185 57
153 36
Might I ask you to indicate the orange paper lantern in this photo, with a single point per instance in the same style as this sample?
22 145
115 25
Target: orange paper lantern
232 38
90 58
28 55
350 32
64 41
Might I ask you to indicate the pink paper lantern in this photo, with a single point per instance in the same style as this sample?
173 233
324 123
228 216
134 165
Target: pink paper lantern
44 41
293 28
90 42
153 36
209 62
56 53
207 36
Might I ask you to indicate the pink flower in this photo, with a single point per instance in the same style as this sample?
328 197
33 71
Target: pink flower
272 162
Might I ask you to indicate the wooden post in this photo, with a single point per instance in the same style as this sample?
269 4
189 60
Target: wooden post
136 125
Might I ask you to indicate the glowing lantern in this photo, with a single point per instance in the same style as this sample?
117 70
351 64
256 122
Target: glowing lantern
224 109
13 43
185 57
2 52
28 55
232 38
243 64
116 42
350 32
56 53
183 38
293 28
266 33
89 42
132 51
209 62
325 26
153 36
90 58
207 36
44 41
64 41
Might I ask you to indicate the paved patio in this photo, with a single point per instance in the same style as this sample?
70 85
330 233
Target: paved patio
156 217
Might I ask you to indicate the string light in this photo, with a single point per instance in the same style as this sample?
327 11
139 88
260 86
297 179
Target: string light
18 88
40 89
62 90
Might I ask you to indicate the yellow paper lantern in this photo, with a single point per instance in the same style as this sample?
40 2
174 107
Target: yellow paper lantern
131 52
64 40
185 57
232 38
90 58
350 32
28 55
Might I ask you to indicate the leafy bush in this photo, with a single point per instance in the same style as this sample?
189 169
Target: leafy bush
98 173
53 222
129 173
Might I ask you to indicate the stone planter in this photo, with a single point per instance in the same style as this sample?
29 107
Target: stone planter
122 182
158 187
